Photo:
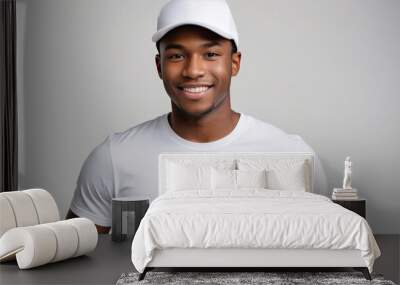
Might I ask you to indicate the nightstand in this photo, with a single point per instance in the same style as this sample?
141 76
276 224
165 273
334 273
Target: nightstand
127 212
358 206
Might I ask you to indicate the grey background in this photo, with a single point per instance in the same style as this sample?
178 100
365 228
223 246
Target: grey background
326 70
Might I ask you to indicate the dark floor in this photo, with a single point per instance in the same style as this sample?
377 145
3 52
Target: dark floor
388 263
110 260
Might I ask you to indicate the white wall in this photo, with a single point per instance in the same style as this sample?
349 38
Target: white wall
327 70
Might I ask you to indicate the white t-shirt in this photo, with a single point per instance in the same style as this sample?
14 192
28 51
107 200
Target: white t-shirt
126 163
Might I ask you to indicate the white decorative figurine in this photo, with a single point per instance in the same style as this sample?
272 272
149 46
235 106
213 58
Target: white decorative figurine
347 174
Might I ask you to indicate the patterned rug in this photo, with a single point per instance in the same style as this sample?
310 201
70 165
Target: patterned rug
244 278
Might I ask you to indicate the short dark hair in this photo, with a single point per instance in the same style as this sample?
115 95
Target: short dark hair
234 47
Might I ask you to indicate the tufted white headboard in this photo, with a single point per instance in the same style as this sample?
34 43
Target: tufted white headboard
232 160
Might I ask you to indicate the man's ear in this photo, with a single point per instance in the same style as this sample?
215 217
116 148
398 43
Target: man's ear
158 64
236 57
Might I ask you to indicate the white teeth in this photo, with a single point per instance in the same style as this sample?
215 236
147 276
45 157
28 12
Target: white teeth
196 89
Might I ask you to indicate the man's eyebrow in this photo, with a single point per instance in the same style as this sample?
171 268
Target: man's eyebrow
211 44
206 45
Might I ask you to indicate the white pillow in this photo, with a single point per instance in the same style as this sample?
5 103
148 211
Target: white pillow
251 178
237 179
187 177
223 179
282 174
291 179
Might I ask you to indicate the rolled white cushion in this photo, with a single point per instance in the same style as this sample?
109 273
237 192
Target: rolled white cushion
23 208
33 246
87 235
46 207
26 208
40 244
67 240
7 218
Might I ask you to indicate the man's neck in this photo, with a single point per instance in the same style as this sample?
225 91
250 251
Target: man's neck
208 128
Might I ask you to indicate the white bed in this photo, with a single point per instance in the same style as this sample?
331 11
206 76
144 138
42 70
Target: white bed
201 219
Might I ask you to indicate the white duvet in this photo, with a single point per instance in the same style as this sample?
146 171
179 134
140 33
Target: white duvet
250 218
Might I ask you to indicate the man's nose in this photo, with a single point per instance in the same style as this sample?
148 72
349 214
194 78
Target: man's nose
194 67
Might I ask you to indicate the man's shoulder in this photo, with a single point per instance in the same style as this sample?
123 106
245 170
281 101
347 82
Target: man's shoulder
264 127
268 132
144 129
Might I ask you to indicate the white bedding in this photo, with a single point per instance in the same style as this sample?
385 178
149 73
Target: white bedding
250 218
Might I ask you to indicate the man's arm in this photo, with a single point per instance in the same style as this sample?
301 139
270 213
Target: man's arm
94 188
100 229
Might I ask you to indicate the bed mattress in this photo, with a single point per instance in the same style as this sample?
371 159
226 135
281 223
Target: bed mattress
250 219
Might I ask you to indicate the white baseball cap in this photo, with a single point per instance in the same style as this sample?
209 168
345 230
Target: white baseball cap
213 15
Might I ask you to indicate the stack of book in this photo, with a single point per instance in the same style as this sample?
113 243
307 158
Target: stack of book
344 194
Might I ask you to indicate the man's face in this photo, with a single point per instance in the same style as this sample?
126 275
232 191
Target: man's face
196 66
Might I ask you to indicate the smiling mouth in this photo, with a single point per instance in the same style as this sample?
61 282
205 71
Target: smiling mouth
196 92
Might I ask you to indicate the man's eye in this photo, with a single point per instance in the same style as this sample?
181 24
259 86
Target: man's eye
211 54
175 56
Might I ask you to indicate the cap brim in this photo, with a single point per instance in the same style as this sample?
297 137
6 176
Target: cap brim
159 34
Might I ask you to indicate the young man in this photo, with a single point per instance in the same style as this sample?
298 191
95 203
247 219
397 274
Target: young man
197 43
